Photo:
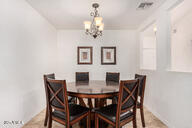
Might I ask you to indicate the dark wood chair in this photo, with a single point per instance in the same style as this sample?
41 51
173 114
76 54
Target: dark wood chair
82 76
125 111
59 109
112 77
70 99
142 79
52 76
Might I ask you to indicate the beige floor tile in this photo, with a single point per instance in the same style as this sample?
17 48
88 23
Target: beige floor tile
150 119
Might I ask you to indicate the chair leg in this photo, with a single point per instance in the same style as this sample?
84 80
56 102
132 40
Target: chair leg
96 121
46 117
104 102
113 101
116 126
142 116
134 122
89 120
50 122
90 103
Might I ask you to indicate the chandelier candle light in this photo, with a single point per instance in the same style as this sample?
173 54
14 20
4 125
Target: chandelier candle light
95 27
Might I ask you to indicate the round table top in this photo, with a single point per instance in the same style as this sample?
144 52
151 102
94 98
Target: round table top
93 88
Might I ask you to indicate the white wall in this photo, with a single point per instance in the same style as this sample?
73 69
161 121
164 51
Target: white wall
168 94
181 39
69 40
27 51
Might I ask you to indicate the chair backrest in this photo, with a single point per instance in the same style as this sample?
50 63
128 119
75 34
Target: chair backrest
112 76
45 77
57 96
142 79
128 95
51 76
82 76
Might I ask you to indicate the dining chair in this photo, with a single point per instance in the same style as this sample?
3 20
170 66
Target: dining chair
52 76
112 77
82 76
125 111
59 109
142 84
70 99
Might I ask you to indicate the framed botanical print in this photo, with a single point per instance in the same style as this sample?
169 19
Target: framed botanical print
84 55
108 55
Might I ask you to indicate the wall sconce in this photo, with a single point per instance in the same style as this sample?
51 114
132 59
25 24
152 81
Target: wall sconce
155 30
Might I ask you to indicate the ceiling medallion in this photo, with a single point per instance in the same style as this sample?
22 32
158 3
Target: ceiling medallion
95 27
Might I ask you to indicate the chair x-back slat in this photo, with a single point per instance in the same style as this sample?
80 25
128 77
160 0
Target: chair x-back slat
55 95
130 94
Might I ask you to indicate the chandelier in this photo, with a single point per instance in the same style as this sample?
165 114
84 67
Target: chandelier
95 27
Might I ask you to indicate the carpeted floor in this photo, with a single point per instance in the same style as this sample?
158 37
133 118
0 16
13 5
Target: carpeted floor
150 120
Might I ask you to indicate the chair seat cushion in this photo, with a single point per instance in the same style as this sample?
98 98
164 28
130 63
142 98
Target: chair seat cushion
74 112
109 112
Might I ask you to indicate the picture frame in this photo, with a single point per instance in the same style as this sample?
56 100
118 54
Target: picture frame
108 55
84 55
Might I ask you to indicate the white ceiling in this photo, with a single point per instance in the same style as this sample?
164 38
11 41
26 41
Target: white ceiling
70 14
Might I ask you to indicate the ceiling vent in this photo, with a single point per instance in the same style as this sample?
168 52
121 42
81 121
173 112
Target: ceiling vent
144 5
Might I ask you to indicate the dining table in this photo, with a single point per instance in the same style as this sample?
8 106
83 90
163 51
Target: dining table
96 91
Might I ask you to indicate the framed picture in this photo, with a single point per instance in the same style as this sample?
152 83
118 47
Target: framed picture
108 55
84 55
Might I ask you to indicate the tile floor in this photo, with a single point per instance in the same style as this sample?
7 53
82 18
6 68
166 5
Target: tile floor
150 119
